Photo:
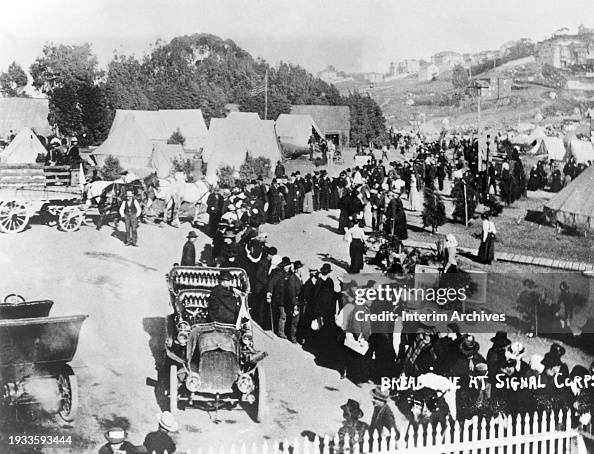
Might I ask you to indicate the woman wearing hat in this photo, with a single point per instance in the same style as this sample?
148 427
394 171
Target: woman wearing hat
356 237
117 444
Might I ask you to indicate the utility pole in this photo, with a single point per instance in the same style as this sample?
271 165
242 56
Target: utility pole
266 95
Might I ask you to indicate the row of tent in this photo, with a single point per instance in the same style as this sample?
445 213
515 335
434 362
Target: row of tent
561 149
139 139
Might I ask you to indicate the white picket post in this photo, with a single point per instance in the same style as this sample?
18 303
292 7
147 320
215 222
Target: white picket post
410 438
429 439
326 447
375 442
356 443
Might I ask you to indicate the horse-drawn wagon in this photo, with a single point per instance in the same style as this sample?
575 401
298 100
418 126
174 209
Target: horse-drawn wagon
36 350
213 365
28 190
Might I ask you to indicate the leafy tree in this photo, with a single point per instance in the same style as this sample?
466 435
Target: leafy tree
433 209
126 85
111 169
464 204
70 78
226 176
13 81
460 78
367 119
177 138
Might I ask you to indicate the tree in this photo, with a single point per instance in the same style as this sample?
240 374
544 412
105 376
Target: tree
433 209
367 119
111 169
177 138
253 168
465 200
13 81
70 78
460 78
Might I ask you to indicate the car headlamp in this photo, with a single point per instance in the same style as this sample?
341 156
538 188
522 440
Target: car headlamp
193 382
245 383
247 340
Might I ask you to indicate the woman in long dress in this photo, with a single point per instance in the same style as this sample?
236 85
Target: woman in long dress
366 199
356 237
486 252
414 198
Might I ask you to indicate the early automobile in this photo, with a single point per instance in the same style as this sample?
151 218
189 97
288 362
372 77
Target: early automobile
34 357
213 365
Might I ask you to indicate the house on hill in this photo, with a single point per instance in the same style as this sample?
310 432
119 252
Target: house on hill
566 51
333 121
447 60
428 73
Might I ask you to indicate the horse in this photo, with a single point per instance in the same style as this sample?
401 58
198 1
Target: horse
174 191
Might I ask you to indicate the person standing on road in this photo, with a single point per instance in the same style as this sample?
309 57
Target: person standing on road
159 441
486 252
129 212
294 303
189 251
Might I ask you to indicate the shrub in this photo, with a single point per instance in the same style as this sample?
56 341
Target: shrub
177 138
434 210
111 169
226 176
253 168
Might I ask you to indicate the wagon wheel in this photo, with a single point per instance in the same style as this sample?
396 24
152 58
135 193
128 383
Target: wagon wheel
173 389
70 219
14 217
259 409
68 386
13 299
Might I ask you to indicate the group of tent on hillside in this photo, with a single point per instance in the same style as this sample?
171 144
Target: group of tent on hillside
561 149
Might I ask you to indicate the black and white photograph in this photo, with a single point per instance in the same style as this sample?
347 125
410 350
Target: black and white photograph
296 227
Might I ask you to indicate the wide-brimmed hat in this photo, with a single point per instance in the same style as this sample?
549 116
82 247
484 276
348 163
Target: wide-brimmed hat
469 346
326 268
381 394
192 234
225 276
116 435
551 360
500 339
557 349
297 264
353 407
167 421
285 261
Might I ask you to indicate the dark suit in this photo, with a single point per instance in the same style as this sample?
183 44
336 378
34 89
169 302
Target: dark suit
292 302
277 289
223 305
158 442
382 417
188 254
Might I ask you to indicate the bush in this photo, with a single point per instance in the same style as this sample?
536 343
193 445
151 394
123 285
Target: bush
187 167
253 168
111 169
226 176
494 206
459 202
434 210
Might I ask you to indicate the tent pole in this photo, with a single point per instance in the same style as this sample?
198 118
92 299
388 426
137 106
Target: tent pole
266 95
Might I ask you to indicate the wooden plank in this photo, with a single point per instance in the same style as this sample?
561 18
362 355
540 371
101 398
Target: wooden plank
21 166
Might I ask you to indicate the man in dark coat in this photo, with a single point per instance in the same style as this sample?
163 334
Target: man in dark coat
276 295
300 191
496 354
324 191
382 420
294 303
279 170
214 205
316 191
189 251
159 441
274 207
223 305
396 218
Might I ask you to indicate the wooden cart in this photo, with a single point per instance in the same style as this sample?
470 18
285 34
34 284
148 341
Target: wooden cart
28 190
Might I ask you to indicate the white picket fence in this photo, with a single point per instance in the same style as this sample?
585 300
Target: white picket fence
522 434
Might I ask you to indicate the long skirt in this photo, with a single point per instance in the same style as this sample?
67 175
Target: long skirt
486 252
357 251
308 202
367 216
414 199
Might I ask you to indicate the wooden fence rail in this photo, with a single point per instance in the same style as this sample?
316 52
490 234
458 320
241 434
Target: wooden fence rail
547 432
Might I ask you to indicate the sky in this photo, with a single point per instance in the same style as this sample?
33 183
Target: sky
352 35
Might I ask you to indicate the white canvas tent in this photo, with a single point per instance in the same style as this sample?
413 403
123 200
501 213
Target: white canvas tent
23 149
553 147
159 125
581 151
537 134
163 157
231 139
573 206
128 143
295 130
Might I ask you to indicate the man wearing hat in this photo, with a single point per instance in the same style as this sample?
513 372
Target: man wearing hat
352 426
129 212
294 303
159 441
276 294
117 444
382 419
189 251
223 305
214 205
496 354
324 300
